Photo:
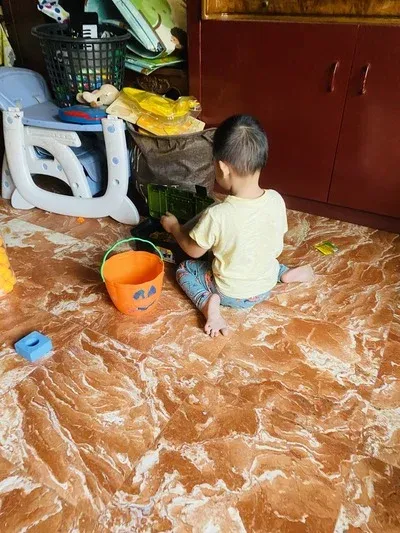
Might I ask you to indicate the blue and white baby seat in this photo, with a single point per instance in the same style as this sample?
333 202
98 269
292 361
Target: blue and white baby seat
38 142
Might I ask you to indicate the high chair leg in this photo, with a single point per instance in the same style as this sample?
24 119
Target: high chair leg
114 202
7 184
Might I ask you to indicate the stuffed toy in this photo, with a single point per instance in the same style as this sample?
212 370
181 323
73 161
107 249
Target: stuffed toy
104 96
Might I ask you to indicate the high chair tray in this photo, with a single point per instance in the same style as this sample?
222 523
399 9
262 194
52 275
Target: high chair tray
45 115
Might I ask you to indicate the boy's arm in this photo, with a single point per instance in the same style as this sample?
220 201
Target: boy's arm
171 225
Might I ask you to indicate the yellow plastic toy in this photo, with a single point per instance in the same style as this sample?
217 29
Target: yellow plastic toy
163 123
7 277
162 108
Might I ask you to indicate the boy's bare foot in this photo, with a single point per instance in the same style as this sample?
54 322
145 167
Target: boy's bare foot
214 321
299 274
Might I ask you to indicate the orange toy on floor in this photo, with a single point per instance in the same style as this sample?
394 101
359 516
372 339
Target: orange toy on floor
7 277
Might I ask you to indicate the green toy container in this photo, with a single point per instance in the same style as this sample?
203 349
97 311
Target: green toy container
184 205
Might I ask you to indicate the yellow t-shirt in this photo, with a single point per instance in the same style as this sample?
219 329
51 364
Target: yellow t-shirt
246 237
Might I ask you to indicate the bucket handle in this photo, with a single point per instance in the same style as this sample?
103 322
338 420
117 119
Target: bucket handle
121 242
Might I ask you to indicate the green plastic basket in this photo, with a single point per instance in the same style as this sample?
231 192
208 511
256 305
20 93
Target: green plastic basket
185 205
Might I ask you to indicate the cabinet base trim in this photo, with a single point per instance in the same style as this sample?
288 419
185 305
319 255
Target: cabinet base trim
354 216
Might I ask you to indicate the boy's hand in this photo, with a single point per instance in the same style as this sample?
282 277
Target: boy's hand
169 222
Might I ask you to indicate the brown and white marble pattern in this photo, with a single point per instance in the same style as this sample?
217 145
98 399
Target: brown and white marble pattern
382 430
17 320
371 500
291 424
26 505
219 451
361 277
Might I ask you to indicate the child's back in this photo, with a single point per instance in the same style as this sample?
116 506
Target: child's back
245 232
245 236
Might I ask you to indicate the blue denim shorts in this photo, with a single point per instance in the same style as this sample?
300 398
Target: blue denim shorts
197 280
238 303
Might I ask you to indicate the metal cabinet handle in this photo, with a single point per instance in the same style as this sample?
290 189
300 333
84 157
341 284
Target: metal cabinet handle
334 69
365 71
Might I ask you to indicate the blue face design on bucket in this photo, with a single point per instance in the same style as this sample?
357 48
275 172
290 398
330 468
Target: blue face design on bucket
140 295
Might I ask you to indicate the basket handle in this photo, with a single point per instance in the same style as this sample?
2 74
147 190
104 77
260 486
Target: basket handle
121 242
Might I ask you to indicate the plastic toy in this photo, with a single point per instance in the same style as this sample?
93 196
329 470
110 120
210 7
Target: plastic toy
124 108
161 108
151 230
184 205
7 277
104 96
32 125
326 248
133 279
53 9
81 114
84 25
33 346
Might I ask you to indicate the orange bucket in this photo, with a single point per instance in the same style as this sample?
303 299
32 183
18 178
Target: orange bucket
133 279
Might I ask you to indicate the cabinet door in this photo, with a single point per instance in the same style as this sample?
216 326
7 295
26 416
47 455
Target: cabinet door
367 169
293 77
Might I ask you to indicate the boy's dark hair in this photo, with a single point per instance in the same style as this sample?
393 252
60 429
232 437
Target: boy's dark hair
241 142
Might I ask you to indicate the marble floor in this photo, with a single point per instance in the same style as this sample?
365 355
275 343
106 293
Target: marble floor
292 424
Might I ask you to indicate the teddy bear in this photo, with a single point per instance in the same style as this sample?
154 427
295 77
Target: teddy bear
104 96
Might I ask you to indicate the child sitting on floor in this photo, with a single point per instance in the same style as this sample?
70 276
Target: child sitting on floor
245 232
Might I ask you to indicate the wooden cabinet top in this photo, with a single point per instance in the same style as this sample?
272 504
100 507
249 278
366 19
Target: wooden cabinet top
305 10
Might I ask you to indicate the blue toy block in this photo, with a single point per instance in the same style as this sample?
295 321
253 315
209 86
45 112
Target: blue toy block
33 346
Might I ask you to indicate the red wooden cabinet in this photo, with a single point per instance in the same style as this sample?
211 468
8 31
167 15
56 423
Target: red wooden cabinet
367 170
333 150
293 77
